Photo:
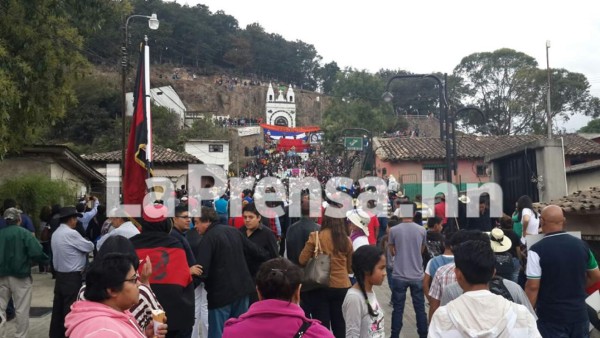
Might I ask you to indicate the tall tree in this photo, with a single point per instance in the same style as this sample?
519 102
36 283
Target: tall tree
40 58
357 103
492 80
511 90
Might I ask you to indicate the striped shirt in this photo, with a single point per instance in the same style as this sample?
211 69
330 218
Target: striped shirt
444 276
142 312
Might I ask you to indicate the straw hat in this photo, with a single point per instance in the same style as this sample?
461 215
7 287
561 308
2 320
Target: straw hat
499 242
464 199
359 218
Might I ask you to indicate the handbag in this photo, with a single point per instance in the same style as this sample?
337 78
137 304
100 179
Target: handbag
317 270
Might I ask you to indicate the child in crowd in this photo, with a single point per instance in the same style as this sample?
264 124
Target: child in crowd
362 313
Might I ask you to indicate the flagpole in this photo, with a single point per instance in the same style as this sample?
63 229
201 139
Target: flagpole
148 106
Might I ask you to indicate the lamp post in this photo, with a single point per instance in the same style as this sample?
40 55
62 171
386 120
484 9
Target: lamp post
153 24
443 107
453 121
548 112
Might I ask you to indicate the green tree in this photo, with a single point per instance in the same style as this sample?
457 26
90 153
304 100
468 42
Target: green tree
492 80
166 128
91 125
40 58
357 103
327 76
592 127
509 88
204 129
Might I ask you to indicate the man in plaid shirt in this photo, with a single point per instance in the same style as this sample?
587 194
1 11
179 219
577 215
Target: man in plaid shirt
445 275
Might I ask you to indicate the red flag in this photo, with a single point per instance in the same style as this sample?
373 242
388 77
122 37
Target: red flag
138 158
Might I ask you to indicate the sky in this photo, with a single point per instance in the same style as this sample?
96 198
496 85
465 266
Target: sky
433 35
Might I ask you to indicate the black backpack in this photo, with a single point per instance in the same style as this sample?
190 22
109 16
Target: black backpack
497 287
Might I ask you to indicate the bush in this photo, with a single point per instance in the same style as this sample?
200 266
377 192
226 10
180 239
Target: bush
32 192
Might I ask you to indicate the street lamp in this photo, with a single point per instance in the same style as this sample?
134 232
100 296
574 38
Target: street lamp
548 113
453 121
153 24
443 106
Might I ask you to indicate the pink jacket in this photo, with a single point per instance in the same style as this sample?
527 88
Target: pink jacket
91 319
274 319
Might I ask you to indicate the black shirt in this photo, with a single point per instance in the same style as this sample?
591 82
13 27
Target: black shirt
263 238
296 237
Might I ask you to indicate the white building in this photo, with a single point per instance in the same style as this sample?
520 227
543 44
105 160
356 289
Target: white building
163 97
210 151
281 110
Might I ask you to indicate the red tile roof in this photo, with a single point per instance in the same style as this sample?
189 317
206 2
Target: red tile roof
161 155
470 146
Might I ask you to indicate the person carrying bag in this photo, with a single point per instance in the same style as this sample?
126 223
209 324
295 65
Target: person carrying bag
318 268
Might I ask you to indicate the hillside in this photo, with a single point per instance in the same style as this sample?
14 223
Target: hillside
225 95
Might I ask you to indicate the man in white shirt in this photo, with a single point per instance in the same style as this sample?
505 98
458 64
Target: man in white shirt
121 227
478 312
69 256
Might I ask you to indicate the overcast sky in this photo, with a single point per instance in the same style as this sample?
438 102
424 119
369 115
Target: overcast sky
430 36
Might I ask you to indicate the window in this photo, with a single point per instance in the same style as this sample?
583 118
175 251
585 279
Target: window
215 148
482 170
439 171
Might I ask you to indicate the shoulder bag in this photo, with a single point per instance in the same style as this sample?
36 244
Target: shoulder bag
317 270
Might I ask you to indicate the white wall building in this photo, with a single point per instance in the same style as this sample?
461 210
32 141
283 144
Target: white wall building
163 97
210 151
281 110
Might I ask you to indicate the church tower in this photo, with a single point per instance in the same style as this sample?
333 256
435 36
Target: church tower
281 110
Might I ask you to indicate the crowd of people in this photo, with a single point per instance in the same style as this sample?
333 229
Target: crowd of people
218 276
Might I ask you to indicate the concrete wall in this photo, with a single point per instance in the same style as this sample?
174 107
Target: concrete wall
41 165
586 223
582 180
58 172
551 168
15 167
200 149
467 170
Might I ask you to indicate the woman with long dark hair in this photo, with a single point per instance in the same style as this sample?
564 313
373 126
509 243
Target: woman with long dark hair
325 304
528 216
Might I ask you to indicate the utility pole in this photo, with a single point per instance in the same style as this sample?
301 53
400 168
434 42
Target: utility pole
548 111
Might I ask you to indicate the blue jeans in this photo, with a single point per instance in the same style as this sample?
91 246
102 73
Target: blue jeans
555 330
399 298
389 276
218 316
515 274
383 221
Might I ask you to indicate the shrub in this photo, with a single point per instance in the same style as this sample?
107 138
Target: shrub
32 192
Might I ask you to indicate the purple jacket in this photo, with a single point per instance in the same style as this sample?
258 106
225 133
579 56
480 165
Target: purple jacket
273 318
